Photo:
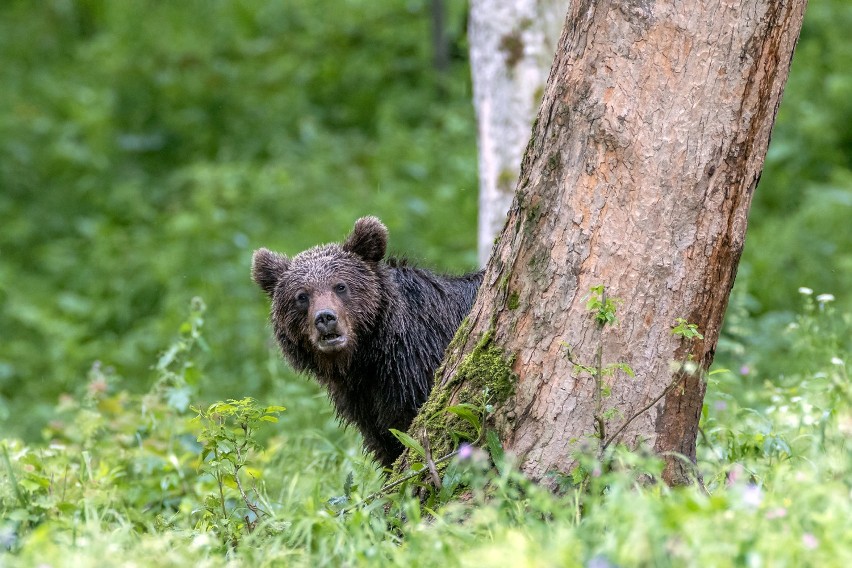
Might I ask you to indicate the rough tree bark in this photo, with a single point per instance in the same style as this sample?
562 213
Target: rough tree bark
639 176
511 48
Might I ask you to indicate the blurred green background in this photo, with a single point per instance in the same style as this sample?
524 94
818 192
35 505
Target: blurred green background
147 147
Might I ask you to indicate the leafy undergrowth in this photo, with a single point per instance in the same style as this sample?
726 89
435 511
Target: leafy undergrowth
150 480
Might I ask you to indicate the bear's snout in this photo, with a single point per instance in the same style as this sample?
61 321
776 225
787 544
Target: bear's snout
330 331
326 321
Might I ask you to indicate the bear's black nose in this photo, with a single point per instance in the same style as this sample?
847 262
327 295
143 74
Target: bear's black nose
326 321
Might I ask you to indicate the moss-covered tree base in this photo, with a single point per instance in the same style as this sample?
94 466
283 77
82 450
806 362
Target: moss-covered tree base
484 379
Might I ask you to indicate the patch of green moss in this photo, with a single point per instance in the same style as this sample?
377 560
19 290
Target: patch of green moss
506 180
533 212
514 301
462 333
512 46
503 286
553 162
486 367
459 339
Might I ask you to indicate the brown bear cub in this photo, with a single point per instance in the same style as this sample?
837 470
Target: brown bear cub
371 331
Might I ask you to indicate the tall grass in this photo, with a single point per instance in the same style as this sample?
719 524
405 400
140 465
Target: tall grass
124 481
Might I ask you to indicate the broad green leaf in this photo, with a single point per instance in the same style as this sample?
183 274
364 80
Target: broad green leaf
409 442
466 412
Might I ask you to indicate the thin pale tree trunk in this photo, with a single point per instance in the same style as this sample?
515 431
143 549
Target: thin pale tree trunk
511 48
639 176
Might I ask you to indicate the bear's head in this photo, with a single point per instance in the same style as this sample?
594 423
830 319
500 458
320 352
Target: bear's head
327 297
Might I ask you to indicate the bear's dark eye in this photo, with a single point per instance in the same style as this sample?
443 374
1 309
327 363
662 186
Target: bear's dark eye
302 297
340 288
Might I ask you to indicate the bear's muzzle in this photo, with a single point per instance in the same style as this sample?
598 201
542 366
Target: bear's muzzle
330 337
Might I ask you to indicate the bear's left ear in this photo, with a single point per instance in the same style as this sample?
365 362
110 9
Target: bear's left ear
267 268
368 239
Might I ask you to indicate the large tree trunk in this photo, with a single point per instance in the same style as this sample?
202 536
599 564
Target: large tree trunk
639 176
511 48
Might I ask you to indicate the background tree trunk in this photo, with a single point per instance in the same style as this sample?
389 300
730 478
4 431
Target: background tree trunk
511 48
440 43
646 151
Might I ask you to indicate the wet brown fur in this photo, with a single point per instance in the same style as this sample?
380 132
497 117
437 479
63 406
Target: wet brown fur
397 321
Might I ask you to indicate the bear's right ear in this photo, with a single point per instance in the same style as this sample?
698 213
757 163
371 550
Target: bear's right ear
368 239
267 268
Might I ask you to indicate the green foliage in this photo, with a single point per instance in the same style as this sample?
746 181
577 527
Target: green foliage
471 413
409 442
781 353
686 330
126 477
147 148
133 459
228 435
603 308
775 492
464 421
798 226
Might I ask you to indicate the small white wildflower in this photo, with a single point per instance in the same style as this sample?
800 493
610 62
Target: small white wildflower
837 361
806 291
825 298
752 495
201 541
